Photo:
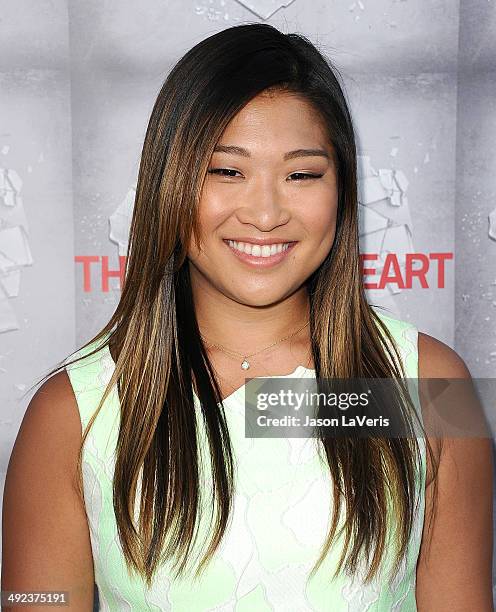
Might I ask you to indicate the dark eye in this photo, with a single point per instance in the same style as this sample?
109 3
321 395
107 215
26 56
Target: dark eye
220 171
305 177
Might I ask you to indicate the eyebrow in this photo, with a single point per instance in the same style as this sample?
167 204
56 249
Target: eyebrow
234 150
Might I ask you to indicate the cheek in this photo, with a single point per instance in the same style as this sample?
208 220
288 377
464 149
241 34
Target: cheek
322 222
214 201
212 212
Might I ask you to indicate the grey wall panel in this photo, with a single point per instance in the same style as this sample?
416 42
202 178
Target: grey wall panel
408 123
37 290
476 199
475 334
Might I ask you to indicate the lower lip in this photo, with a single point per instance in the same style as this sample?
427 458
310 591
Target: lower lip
261 262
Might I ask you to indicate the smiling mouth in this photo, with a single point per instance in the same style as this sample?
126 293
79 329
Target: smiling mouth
257 250
260 256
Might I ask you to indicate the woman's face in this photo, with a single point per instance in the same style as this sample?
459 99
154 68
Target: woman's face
272 178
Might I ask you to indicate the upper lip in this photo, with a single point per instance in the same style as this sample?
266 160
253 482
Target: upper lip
262 241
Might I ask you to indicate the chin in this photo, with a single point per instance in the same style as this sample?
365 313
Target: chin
258 297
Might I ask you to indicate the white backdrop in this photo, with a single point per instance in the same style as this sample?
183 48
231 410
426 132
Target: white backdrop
77 83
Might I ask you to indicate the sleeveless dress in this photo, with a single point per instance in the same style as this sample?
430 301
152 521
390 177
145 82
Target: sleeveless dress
282 505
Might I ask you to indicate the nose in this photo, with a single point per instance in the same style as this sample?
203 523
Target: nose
263 206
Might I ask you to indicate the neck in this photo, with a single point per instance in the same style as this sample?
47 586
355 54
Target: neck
244 328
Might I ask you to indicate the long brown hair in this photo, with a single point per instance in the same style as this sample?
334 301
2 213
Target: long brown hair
155 335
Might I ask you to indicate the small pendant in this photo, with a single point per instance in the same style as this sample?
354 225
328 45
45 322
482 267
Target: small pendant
245 365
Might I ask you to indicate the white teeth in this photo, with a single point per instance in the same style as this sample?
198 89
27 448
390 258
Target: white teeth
259 251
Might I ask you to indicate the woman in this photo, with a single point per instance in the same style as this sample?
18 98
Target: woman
243 261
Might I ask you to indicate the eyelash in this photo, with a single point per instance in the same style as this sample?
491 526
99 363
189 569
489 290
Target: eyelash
218 170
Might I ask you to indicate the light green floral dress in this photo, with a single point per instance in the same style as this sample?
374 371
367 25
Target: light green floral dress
280 518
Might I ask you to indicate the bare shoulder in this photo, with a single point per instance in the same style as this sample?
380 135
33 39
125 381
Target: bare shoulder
455 573
438 360
42 510
51 425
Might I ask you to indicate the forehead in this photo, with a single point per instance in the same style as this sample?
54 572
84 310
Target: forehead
278 119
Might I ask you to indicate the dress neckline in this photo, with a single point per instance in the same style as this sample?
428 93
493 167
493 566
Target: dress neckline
299 372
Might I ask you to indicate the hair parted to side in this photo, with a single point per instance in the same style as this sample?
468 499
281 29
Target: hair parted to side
155 334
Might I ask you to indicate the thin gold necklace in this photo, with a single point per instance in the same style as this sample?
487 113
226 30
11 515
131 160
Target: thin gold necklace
245 364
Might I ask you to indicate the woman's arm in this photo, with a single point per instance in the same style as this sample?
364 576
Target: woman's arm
46 544
454 571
